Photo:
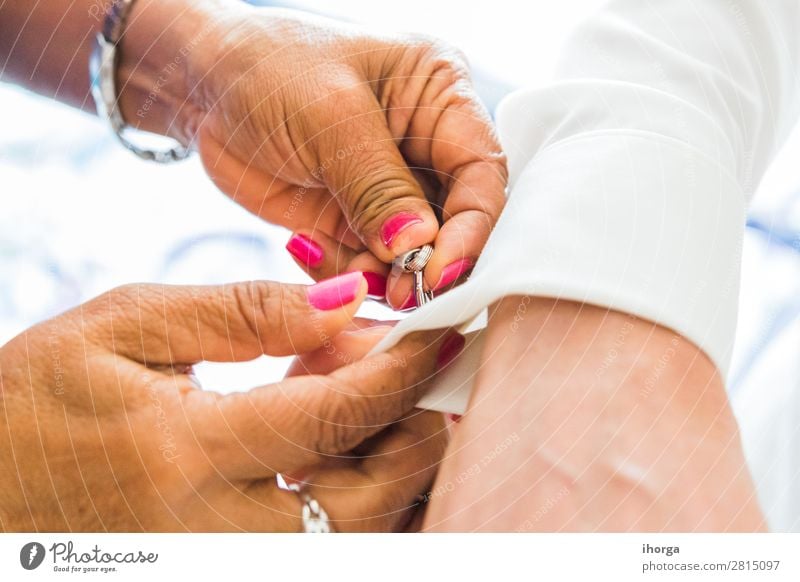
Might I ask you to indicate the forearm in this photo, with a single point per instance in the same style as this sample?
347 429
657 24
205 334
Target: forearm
46 46
588 419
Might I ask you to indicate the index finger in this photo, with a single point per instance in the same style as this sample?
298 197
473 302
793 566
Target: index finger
303 420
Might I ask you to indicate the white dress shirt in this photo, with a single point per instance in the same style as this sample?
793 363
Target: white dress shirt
631 172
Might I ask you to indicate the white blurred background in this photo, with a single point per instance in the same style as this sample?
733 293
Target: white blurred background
80 215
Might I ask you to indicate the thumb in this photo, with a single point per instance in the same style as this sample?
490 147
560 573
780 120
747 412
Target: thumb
162 324
367 174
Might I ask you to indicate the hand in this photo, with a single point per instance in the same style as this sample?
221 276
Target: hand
313 124
104 428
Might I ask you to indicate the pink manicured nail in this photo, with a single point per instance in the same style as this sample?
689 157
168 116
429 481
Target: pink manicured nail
453 417
395 225
376 284
410 302
451 347
453 271
305 250
336 292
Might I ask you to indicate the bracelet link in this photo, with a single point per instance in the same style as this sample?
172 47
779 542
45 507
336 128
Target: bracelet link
102 73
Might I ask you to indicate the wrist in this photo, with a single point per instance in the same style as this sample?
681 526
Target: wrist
165 48
604 421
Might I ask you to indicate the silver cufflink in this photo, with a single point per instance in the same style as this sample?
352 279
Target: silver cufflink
414 262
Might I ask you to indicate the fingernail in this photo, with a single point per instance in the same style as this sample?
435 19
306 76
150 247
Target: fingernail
451 347
336 292
396 224
305 250
411 301
453 417
453 271
376 284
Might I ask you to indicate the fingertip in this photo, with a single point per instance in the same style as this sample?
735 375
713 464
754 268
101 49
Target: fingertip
320 255
400 293
394 226
346 291
453 272
456 250
405 230
376 272
305 250
376 284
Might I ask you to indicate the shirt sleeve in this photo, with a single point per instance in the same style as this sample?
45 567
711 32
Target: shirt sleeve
631 172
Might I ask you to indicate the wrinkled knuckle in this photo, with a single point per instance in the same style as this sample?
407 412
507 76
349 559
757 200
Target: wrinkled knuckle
341 424
410 393
400 394
257 306
416 373
271 305
374 192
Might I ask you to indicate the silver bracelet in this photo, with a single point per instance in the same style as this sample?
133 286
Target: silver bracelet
102 72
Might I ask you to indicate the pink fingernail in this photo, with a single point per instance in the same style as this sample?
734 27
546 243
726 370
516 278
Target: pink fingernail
396 224
453 417
305 250
451 347
336 292
376 284
410 302
453 271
